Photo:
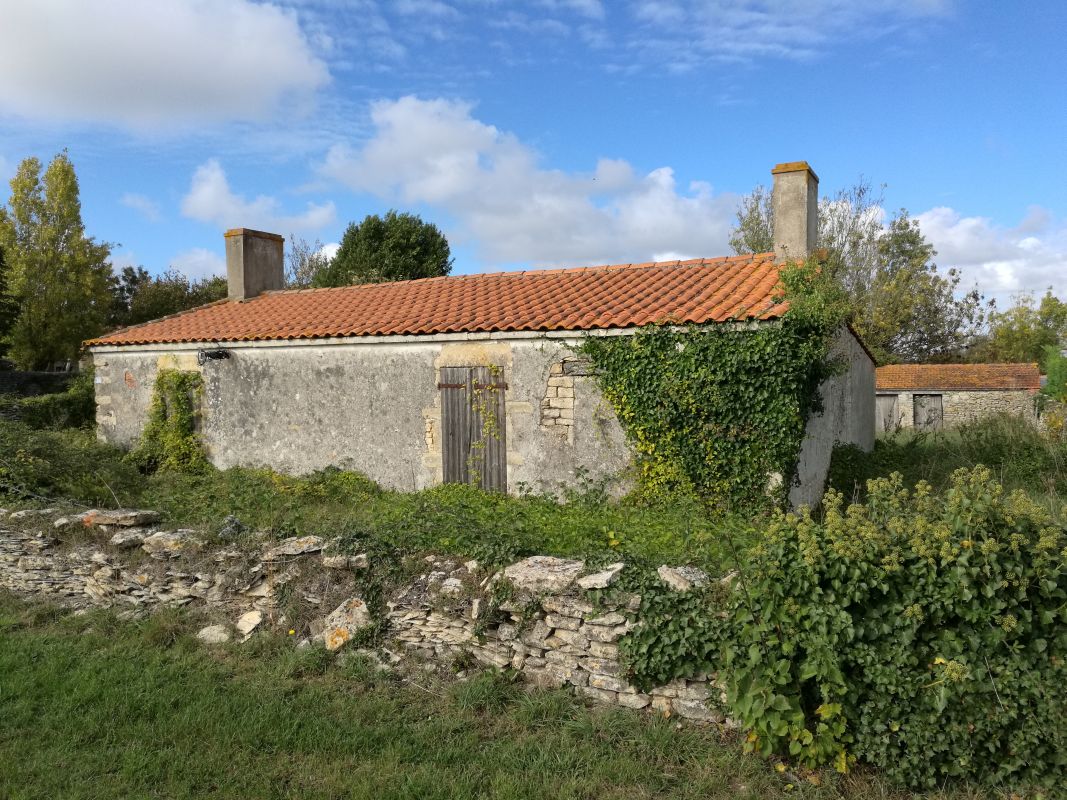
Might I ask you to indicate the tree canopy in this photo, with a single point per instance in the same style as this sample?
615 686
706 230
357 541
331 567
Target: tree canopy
303 263
1025 331
56 278
903 307
140 297
396 247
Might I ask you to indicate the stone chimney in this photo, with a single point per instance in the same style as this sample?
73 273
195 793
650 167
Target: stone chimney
795 203
253 263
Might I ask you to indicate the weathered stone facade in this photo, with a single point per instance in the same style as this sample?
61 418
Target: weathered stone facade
374 405
551 628
958 407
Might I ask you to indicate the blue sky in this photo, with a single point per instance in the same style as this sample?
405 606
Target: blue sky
544 132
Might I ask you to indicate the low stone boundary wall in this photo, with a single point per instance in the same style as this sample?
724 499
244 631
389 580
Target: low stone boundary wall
537 616
31 384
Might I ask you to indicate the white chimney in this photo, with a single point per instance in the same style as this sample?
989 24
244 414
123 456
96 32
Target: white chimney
253 263
795 203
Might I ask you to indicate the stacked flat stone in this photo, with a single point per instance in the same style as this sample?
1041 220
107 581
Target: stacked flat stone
550 631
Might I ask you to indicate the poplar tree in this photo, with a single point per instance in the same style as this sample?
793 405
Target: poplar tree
57 278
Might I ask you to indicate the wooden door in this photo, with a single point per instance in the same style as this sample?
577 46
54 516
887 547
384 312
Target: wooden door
474 449
886 413
929 412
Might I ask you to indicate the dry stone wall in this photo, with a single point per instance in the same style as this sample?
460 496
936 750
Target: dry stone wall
544 617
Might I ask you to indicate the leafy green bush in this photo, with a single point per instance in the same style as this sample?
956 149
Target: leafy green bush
1055 368
67 464
923 633
73 408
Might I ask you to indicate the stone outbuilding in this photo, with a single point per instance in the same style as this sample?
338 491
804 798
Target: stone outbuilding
470 378
935 396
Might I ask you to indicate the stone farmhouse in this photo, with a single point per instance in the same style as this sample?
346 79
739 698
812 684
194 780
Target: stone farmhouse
935 396
407 381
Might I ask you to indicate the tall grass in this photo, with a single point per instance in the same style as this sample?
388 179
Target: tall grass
71 466
1020 454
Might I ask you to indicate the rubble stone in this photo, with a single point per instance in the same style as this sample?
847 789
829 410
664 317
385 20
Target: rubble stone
539 574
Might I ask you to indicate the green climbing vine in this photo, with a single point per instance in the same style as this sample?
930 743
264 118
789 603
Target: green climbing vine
719 410
170 439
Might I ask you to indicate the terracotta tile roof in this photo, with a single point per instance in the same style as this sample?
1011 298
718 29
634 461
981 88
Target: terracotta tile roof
957 377
617 296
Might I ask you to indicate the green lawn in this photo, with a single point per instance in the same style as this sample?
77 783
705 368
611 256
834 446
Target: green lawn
91 707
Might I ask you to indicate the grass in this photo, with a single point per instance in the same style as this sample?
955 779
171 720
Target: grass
1020 455
94 708
41 465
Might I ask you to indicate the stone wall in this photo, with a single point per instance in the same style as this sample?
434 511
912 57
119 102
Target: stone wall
374 405
961 407
31 384
553 626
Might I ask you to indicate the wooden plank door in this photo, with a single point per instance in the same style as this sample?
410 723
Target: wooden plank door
929 412
886 413
474 449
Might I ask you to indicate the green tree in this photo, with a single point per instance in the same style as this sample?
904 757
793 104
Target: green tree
303 263
147 298
7 307
58 279
754 232
903 307
398 247
1055 369
1025 331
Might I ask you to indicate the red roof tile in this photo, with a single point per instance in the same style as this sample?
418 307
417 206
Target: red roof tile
957 377
615 296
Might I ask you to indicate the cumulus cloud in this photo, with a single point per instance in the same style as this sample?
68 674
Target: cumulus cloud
151 64
210 199
199 263
1031 256
513 209
147 207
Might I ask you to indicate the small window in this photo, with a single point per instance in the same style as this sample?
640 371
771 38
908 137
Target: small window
929 412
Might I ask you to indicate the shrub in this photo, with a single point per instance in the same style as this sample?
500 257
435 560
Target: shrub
73 408
922 633
67 464
1055 368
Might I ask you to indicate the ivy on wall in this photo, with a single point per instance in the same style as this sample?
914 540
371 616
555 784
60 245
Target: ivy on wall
718 410
170 440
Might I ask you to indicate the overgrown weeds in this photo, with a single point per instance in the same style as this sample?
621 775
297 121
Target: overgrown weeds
72 466
1020 455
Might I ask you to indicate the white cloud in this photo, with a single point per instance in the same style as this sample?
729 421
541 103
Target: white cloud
149 64
683 34
148 208
426 8
210 199
511 208
328 251
1001 260
199 263
594 9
